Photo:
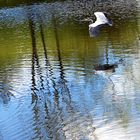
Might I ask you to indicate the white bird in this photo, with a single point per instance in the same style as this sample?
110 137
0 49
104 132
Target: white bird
101 19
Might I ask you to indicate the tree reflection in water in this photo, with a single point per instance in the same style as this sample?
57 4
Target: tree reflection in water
40 95
53 119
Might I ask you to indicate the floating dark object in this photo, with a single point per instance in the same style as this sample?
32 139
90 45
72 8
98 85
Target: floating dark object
105 67
101 20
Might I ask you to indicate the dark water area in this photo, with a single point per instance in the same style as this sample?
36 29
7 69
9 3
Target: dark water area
53 81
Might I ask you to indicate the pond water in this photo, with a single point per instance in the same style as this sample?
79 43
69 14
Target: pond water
49 88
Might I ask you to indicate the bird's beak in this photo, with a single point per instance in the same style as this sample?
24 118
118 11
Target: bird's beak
85 19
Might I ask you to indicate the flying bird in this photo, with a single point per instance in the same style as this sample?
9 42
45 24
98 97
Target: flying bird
101 19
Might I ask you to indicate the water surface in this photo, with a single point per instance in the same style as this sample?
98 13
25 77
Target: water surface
49 88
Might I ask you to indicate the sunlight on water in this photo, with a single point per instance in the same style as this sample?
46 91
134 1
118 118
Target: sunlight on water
53 78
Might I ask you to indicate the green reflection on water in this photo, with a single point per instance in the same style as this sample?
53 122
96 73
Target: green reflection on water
74 41
15 43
